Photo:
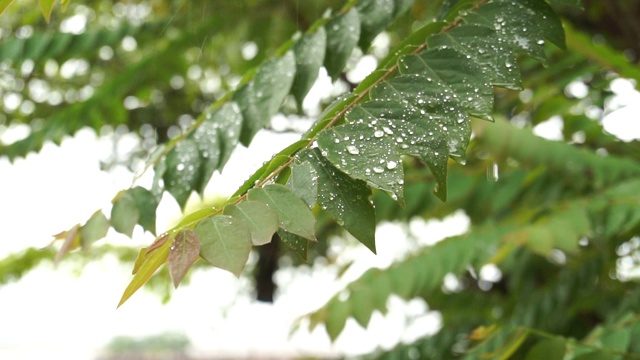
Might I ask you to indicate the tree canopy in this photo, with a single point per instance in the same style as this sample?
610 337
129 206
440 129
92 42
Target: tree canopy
443 124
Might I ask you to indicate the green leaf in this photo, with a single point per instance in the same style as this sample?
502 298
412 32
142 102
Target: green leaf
261 98
184 252
337 313
95 229
482 45
345 198
47 7
4 4
125 214
152 260
548 349
147 204
298 244
571 3
309 51
293 214
343 33
261 221
225 242
458 73
183 170
362 305
375 15
594 355
304 182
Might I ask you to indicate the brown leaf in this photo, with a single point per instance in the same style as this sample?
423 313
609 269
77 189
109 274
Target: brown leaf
160 240
184 252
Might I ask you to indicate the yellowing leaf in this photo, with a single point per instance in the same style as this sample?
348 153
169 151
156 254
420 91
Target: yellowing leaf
4 4
152 261
47 8
184 252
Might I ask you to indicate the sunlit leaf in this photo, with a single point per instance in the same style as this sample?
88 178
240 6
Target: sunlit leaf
259 218
293 214
346 199
183 253
225 242
152 261
343 33
125 214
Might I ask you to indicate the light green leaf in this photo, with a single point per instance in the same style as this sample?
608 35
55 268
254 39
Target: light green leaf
151 261
47 7
261 98
548 349
345 198
125 214
4 4
183 170
486 48
462 75
309 52
362 305
184 252
343 33
337 313
293 214
304 182
375 15
225 242
258 217
147 205
298 244
95 229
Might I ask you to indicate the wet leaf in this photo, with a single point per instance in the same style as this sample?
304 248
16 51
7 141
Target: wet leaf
183 253
375 15
147 204
309 52
150 262
183 170
94 229
258 217
345 198
225 242
343 32
125 214
304 182
293 214
298 244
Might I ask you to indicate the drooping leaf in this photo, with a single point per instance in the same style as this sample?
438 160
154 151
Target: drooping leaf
147 204
304 182
225 242
293 214
47 7
345 198
548 349
183 253
309 53
152 260
94 229
343 33
261 221
183 170
260 99
125 214
298 244
375 15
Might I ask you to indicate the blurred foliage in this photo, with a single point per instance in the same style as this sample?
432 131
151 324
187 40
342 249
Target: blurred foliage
561 223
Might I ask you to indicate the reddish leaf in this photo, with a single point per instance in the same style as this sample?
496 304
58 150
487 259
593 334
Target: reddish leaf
71 241
184 252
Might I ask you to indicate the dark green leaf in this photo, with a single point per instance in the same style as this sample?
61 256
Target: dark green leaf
304 182
183 170
594 355
309 51
183 253
298 244
571 3
345 198
548 349
343 32
147 205
95 229
225 242
125 214
261 221
293 214
375 15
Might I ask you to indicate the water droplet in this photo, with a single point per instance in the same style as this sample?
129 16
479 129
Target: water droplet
378 133
378 170
391 165
493 172
180 167
353 150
